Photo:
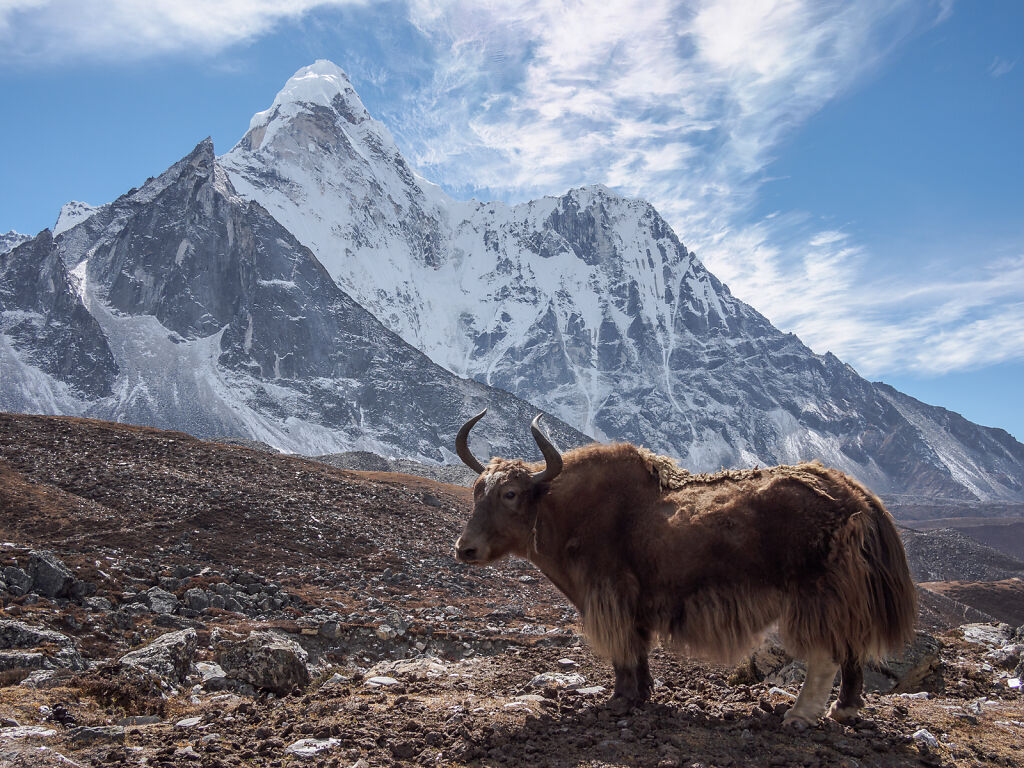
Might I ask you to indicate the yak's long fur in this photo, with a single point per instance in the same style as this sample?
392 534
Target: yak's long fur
859 603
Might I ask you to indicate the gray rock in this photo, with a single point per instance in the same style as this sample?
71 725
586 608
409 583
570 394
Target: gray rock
197 599
81 590
27 732
92 734
17 635
169 656
906 670
161 601
213 675
923 736
139 720
231 604
11 660
989 635
18 582
45 678
330 630
557 680
266 660
99 604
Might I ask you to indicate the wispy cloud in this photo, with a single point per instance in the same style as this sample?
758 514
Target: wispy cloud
964 317
54 31
1001 66
680 102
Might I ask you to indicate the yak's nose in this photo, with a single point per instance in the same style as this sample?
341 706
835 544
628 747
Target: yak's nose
463 553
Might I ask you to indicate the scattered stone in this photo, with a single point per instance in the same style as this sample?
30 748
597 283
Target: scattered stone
140 720
169 656
923 736
161 601
197 599
381 680
214 676
311 747
591 690
187 753
567 663
993 636
50 577
267 661
18 582
413 669
907 670
188 722
27 732
17 635
98 604
330 630
557 680
83 734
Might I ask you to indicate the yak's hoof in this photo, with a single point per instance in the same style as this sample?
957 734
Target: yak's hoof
842 714
796 722
620 705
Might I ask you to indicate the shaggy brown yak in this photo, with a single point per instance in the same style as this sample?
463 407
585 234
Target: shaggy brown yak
705 563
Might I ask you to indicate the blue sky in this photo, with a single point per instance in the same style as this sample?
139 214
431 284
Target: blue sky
852 169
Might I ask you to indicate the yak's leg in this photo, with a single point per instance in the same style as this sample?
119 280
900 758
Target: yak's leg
850 689
633 680
815 692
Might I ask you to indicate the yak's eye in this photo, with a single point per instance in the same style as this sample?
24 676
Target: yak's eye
510 494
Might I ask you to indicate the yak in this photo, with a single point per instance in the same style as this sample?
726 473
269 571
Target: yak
703 563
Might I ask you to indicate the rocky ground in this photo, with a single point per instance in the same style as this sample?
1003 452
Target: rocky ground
168 601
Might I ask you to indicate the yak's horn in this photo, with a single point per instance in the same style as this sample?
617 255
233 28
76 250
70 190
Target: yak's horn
462 444
551 454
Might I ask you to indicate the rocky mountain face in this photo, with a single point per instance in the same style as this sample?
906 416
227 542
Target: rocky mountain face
182 305
588 305
11 240
45 326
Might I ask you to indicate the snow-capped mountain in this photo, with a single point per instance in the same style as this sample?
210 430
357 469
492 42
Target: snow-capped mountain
72 213
588 305
12 239
181 305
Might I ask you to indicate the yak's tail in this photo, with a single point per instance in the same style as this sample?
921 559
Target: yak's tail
892 598
865 604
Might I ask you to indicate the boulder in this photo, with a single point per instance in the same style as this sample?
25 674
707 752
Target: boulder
905 671
25 660
160 600
989 635
18 582
196 599
266 660
50 577
169 656
58 651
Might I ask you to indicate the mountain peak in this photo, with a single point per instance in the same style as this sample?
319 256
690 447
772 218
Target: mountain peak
71 214
320 83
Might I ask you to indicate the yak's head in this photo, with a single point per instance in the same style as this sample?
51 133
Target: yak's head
505 499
